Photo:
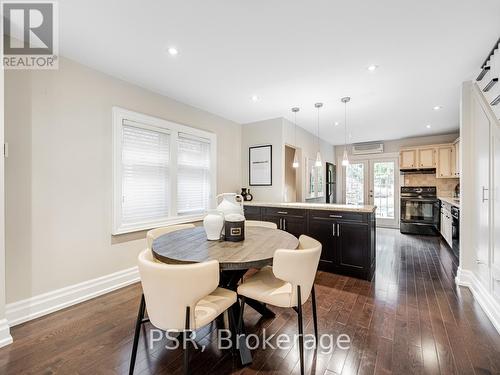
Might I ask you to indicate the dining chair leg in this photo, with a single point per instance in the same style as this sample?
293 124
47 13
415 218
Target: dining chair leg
315 315
301 330
138 323
240 320
186 336
233 328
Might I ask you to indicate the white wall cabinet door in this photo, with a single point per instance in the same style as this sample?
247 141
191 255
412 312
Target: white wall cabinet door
444 162
426 158
457 165
408 159
481 144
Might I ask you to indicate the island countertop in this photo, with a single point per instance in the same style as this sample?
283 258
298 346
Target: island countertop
314 206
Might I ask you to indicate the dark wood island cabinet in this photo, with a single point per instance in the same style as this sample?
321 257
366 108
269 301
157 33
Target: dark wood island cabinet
347 233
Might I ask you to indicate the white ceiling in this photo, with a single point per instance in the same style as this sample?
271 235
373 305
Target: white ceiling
294 53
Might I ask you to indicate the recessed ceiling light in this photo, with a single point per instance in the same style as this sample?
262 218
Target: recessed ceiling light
255 98
428 126
437 107
336 123
172 51
372 68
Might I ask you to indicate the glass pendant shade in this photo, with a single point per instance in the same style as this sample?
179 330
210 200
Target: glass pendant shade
318 155
345 159
295 163
318 160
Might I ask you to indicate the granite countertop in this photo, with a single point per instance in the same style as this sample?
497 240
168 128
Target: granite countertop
450 200
315 206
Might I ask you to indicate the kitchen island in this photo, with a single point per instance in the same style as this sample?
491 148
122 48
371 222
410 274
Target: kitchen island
346 232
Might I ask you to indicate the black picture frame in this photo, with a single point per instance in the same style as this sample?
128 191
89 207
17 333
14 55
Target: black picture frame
270 172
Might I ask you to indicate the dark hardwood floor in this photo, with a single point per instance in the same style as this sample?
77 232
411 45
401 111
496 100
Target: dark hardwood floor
411 319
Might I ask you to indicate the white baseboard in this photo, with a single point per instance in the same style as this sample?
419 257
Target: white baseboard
5 337
34 307
489 305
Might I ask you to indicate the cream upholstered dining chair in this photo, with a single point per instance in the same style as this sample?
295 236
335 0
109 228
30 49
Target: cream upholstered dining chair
175 298
153 234
257 223
288 283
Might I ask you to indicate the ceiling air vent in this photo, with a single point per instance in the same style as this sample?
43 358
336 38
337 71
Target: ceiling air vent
367 148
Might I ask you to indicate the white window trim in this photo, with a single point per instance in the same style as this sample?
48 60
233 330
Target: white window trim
154 123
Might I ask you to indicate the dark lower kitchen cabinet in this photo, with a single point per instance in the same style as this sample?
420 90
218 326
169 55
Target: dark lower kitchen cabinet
253 213
293 221
323 231
353 249
347 238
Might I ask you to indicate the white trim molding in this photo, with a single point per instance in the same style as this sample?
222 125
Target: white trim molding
5 337
489 305
34 307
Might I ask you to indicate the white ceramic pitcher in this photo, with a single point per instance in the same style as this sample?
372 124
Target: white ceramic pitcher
229 203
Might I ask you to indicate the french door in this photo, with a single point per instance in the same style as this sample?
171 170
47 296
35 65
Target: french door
374 182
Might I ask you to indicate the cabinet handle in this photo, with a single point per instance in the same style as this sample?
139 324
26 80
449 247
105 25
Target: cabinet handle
497 280
284 224
484 199
338 230
282 212
336 216
333 230
280 226
479 261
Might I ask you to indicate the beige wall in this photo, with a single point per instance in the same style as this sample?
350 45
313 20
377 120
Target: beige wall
280 132
268 132
58 173
393 146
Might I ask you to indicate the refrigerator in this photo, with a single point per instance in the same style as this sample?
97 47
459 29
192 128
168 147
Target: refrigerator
331 183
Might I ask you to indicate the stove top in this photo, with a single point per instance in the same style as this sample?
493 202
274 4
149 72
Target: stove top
418 192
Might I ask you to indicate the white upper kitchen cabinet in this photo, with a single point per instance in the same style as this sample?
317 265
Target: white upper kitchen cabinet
457 165
408 159
426 157
445 162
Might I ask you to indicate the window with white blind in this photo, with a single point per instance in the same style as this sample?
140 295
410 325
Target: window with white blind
164 173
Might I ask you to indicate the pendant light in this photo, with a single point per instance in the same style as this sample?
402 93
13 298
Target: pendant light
345 159
295 163
318 155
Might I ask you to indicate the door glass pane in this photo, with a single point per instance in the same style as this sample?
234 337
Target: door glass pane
355 184
383 189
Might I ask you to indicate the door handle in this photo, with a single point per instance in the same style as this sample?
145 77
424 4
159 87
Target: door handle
484 189
334 231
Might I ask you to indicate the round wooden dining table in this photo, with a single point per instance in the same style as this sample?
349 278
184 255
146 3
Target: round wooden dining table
235 259
191 246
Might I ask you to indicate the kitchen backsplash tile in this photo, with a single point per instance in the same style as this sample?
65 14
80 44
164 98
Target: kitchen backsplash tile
445 186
